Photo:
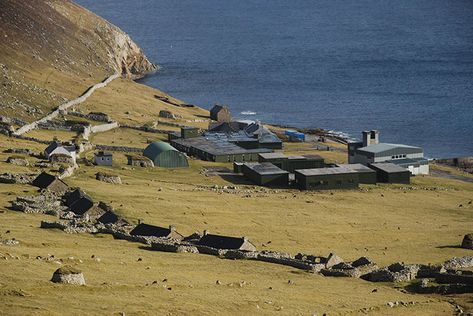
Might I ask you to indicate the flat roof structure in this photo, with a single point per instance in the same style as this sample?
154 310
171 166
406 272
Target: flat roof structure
265 173
388 167
217 146
324 171
265 168
358 167
277 155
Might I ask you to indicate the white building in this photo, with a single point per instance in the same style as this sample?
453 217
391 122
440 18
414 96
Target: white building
56 148
370 150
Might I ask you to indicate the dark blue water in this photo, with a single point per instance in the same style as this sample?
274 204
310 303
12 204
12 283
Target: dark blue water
404 67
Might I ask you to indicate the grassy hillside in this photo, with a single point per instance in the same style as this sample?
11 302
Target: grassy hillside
54 50
417 223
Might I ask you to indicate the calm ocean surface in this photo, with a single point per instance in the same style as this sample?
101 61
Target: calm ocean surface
404 67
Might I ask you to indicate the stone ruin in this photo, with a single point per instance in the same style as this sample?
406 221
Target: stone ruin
140 161
444 278
68 275
108 178
467 242
18 178
17 160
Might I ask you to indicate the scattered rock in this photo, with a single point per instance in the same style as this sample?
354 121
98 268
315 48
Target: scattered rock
108 178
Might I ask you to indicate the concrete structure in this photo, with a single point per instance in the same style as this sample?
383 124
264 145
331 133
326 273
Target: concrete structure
220 113
164 155
391 173
326 178
370 150
49 182
291 163
366 175
103 158
265 174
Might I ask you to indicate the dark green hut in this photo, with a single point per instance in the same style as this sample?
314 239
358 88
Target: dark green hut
165 156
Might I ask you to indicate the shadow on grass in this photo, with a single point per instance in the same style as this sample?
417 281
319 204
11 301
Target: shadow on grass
450 246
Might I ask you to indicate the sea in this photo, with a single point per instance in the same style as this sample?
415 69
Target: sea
403 67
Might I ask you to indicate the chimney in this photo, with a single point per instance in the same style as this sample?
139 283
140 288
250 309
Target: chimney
140 221
172 228
370 138
205 232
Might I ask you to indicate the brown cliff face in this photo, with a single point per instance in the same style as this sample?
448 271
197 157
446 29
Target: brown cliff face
53 50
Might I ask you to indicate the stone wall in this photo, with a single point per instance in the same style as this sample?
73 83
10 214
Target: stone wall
63 107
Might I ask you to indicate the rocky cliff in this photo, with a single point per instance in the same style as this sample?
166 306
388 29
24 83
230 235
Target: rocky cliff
52 50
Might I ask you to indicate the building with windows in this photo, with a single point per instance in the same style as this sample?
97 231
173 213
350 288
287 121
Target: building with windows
370 151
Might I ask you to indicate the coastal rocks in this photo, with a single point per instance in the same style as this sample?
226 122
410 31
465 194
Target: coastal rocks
68 275
108 178
467 242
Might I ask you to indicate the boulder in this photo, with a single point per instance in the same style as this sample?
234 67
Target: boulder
166 114
467 242
68 275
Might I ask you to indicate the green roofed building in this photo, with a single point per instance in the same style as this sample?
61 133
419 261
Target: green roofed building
164 155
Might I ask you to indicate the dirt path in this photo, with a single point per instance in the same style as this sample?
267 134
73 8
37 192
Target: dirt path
447 175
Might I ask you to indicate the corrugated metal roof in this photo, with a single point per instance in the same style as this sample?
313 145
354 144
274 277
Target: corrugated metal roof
388 167
385 147
265 168
358 167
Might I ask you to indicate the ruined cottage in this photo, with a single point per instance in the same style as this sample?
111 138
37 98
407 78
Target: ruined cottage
143 229
226 242
49 182
220 113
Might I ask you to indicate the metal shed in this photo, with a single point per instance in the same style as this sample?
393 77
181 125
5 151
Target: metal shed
326 179
265 174
365 175
164 155
390 173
